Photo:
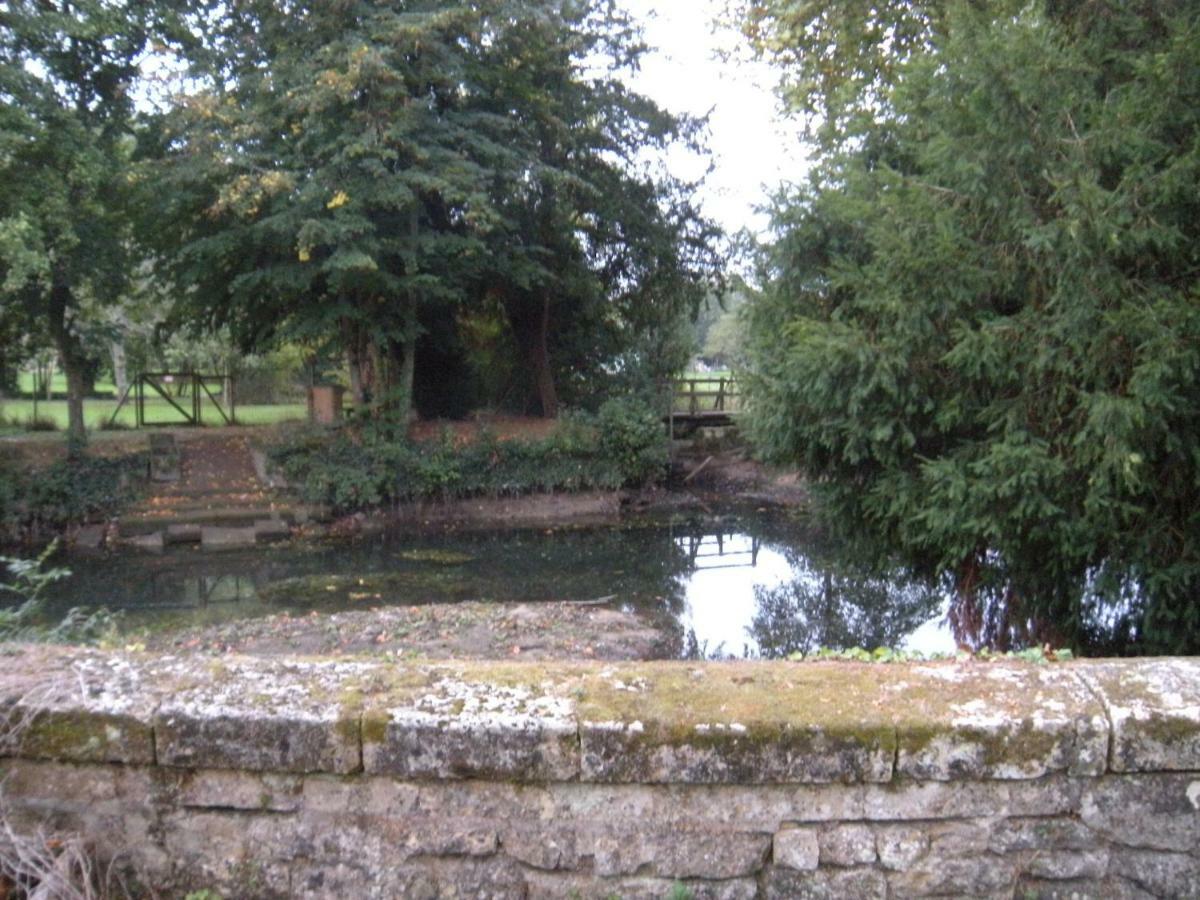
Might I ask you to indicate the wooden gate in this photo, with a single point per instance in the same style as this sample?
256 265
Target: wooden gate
184 392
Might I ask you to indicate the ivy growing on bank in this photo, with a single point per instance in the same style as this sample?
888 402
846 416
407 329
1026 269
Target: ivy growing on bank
38 505
622 445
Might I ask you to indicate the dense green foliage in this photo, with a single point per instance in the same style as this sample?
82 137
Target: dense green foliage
981 331
621 445
41 504
395 182
66 148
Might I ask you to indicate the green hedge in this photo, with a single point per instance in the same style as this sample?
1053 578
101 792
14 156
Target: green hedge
39 504
622 445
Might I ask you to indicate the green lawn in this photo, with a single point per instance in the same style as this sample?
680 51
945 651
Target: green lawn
58 384
15 413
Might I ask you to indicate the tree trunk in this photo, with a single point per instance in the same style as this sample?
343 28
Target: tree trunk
44 378
120 375
408 364
379 370
533 335
356 384
71 356
357 362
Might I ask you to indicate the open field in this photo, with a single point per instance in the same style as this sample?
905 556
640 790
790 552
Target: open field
14 414
58 384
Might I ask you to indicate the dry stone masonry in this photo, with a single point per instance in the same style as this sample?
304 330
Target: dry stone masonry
335 778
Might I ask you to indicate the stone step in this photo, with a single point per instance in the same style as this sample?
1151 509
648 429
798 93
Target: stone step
140 523
218 537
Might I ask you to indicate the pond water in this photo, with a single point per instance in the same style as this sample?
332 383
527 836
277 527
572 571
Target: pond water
744 585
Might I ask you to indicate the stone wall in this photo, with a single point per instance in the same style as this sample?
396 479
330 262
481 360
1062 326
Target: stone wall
326 778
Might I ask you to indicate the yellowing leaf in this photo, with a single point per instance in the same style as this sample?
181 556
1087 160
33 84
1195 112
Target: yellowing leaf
339 199
305 254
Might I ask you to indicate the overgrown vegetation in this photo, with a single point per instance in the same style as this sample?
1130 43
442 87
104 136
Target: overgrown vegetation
622 445
27 621
979 333
39 862
38 505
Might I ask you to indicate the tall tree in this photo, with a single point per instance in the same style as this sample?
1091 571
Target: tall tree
330 177
593 248
67 74
981 333
365 173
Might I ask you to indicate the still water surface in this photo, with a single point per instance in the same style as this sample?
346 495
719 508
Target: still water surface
750 584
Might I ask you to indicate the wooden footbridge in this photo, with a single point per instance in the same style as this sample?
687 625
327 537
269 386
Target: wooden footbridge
694 403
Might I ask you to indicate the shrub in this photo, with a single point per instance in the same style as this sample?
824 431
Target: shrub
40 423
47 500
623 445
631 434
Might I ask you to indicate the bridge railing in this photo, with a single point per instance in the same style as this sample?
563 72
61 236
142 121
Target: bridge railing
695 396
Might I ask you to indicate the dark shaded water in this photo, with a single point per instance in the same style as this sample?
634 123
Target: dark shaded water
745 585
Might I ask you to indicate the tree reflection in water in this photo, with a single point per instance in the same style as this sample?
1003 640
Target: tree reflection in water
838 608
823 600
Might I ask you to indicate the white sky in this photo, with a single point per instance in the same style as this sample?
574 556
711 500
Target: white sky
754 147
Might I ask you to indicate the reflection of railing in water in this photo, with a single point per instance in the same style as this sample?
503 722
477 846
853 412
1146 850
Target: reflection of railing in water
169 591
700 547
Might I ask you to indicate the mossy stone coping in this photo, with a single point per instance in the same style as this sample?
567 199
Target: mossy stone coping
664 722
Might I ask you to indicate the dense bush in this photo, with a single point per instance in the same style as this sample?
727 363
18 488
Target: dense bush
979 332
622 445
39 504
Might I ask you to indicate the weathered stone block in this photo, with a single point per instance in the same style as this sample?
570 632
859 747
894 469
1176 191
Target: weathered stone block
847 845
1159 874
1155 712
260 715
153 542
383 797
1067 864
862 884
548 886
89 538
226 789
797 848
493 878
183 533
272 530
976 875
997 722
220 537
744 723
1160 812
425 837
1041 833
899 848
677 854
332 881
461 729
81 706
549 847
1109 889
